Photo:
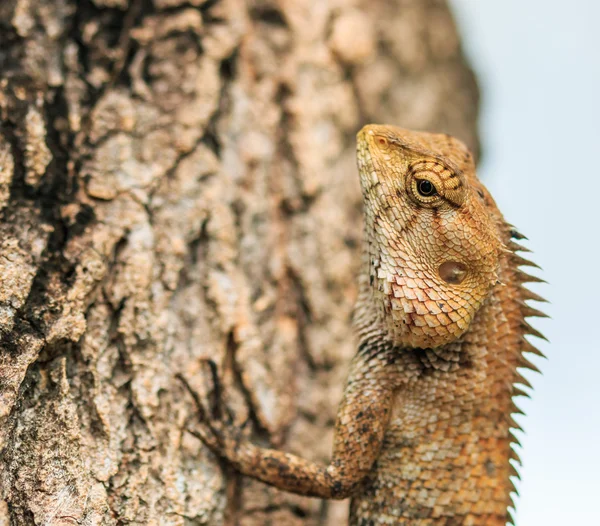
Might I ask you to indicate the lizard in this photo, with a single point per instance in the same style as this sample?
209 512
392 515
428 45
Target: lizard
424 431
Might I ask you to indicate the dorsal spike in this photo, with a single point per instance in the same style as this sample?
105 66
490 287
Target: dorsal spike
516 410
514 439
520 261
527 346
515 234
524 362
517 391
526 294
516 247
523 277
513 455
512 422
530 312
514 472
528 329
520 379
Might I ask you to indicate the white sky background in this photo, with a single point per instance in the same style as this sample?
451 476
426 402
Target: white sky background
538 64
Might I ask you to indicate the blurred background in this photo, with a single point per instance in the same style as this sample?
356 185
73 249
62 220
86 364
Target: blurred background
538 66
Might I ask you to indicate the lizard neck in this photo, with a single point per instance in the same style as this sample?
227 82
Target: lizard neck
450 431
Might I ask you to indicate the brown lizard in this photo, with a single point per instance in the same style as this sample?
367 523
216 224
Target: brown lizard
423 433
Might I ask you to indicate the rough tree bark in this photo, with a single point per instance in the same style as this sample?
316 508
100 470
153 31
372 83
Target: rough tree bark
177 181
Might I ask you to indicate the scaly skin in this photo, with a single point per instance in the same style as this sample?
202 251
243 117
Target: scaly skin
423 431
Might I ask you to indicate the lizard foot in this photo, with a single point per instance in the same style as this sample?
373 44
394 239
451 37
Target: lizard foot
218 429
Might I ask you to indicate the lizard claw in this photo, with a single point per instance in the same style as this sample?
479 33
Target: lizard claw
207 438
217 429
219 410
215 392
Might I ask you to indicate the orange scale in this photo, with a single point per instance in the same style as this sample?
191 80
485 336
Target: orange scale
444 319
421 309
384 286
433 295
409 264
432 307
410 272
407 306
410 293
421 296
397 291
396 303
431 284
454 316
454 304
445 330
411 283
419 322
463 313
430 331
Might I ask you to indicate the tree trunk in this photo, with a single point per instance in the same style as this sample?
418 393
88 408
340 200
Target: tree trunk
177 181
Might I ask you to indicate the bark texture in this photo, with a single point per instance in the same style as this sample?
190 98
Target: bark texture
177 181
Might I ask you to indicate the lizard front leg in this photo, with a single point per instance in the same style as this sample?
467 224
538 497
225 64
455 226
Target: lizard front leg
362 419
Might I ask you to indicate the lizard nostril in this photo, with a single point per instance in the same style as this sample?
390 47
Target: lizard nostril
382 141
453 272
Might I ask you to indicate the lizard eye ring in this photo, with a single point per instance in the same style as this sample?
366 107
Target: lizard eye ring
430 183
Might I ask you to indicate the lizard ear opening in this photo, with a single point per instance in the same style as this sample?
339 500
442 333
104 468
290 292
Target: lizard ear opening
453 272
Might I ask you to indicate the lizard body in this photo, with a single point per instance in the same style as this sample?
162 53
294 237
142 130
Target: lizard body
423 431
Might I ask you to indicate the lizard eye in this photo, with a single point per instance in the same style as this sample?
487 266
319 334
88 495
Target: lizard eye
425 188
430 184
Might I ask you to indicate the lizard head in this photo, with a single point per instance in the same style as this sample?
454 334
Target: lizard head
432 233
